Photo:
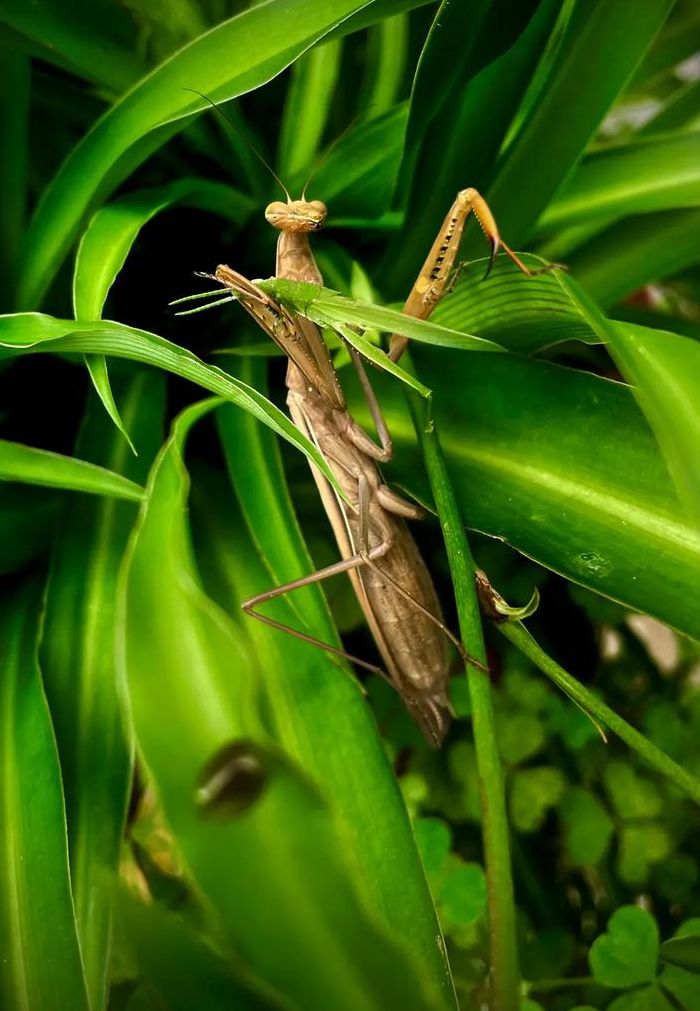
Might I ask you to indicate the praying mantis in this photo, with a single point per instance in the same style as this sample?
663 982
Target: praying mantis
388 574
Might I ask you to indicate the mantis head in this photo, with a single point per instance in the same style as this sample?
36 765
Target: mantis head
296 215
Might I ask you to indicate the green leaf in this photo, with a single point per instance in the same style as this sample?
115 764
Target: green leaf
108 239
314 77
653 174
683 986
532 793
609 34
388 45
328 308
462 894
593 502
192 679
434 838
234 57
40 965
520 736
522 313
683 952
77 655
39 466
112 232
97 369
632 795
679 112
320 715
640 846
588 826
647 998
35 332
664 370
626 954
636 251
182 969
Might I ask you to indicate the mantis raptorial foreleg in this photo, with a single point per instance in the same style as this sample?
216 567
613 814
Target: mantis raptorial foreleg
438 271
390 578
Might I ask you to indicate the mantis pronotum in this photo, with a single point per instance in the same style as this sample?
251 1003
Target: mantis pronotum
378 552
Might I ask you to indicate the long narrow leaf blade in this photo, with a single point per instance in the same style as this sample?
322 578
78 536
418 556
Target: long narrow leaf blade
77 655
27 333
39 466
191 682
40 965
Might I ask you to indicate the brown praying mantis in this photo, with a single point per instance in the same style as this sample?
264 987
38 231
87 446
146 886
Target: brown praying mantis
388 574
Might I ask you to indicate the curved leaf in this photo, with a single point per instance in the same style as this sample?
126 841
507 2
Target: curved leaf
234 57
111 233
561 465
636 251
522 313
654 174
319 714
97 369
108 239
664 370
461 146
31 333
39 466
608 34
77 656
191 680
40 965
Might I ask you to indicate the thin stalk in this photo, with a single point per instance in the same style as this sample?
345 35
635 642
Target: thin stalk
516 633
505 973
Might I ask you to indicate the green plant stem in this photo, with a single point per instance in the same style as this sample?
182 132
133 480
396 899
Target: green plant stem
516 633
547 985
505 979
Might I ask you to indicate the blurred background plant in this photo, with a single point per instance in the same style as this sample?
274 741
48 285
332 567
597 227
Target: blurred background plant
328 858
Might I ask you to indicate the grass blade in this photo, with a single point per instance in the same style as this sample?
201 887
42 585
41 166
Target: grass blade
77 654
40 967
35 332
191 679
107 242
319 714
39 466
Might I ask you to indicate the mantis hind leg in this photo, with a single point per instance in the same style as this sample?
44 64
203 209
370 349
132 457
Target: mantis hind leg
346 565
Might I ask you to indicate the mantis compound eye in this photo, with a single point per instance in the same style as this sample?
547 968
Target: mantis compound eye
277 213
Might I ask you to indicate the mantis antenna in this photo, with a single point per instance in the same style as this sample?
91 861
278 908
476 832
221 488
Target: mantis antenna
252 147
